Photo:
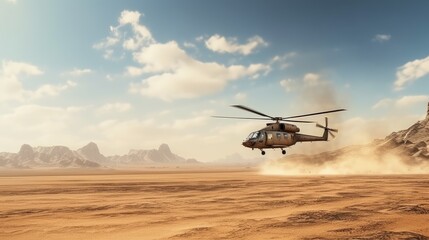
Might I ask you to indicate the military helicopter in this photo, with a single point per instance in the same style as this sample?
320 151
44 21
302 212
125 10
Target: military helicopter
281 135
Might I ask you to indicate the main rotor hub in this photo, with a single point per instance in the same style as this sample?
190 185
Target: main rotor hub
277 119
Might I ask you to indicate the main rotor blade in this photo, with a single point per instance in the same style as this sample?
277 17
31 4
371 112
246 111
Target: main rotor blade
252 111
316 113
242 118
298 121
332 135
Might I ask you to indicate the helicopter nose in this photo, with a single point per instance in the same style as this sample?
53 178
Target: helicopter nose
246 143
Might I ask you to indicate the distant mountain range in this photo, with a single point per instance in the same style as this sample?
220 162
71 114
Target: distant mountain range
88 156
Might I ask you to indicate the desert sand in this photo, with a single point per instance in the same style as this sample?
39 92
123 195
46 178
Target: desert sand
211 204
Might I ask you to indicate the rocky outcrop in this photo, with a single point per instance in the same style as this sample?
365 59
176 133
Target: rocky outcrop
92 153
412 142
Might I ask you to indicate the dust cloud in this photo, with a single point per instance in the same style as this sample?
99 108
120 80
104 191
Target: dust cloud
357 162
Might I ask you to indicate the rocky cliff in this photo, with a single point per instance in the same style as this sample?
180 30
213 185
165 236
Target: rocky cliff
412 142
92 153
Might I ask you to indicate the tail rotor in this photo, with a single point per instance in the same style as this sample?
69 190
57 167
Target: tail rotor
328 130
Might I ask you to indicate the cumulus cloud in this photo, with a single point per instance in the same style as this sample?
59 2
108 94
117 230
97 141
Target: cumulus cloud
76 72
170 73
115 107
381 38
52 90
221 44
410 72
193 80
141 35
12 89
181 76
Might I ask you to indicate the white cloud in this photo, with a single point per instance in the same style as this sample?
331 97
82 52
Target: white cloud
11 1
170 72
141 35
287 84
129 17
178 75
76 72
311 79
51 90
12 89
193 80
10 85
220 44
115 107
108 42
382 38
411 71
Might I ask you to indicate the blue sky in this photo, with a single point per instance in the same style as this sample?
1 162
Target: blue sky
135 74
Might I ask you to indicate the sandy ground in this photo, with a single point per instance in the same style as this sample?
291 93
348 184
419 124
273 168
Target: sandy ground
212 205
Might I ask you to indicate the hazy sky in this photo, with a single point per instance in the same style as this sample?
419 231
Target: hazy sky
135 74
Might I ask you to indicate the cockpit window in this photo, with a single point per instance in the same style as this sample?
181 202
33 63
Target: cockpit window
253 135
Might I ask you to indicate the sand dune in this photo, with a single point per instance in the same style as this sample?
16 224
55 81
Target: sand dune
213 205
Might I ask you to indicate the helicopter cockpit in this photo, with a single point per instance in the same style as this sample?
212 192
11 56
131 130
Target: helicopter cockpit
253 135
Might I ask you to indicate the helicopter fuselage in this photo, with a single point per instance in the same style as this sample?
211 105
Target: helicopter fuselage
279 135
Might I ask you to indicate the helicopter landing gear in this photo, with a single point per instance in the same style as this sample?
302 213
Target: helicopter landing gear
283 152
263 152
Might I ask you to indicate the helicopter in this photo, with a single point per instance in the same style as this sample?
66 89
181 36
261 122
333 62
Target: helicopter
281 134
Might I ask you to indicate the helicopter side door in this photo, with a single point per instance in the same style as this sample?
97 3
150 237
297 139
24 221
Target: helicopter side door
270 138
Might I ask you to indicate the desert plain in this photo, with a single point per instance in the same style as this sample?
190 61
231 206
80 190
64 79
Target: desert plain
211 204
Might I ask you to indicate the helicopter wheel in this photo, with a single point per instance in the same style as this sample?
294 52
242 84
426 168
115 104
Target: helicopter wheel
263 152
283 152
